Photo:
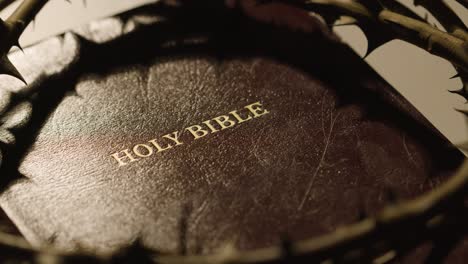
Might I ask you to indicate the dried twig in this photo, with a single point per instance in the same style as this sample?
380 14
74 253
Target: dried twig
11 30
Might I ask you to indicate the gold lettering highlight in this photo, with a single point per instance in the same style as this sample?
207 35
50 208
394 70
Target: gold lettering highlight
120 159
256 109
194 132
197 131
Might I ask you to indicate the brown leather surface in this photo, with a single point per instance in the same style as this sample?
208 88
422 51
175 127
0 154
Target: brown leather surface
331 147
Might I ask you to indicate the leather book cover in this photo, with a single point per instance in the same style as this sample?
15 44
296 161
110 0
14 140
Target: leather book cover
190 135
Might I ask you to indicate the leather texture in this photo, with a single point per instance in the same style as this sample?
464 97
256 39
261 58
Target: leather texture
337 138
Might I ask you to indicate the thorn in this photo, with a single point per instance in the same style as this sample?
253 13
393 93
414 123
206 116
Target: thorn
455 76
84 3
463 111
460 92
61 38
6 67
429 43
343 21
73 93
18 46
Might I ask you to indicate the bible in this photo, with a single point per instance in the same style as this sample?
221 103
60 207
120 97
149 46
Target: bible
190 135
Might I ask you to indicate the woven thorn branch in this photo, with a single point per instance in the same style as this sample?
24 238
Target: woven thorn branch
440 211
